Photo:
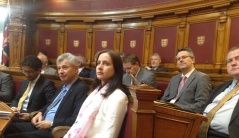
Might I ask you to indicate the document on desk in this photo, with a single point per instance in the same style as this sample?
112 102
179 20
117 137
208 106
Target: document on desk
5 114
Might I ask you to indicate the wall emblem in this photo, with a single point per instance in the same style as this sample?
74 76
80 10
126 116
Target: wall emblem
104 44
133 43
48 42
76 43
200 40
164 42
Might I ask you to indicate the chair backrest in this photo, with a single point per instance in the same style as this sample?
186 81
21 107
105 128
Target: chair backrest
17 84
162 85
126 128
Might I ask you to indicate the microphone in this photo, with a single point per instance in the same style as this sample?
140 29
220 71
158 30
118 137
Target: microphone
168 63
205 65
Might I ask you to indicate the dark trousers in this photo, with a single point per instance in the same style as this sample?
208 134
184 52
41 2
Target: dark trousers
25 130
215 134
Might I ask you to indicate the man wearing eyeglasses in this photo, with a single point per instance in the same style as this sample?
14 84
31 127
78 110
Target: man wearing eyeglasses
190 88
35 91
135 74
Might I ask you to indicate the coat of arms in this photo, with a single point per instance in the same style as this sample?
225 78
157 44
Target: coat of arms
48 42
200 40
132 43
76 43
104 44
164 42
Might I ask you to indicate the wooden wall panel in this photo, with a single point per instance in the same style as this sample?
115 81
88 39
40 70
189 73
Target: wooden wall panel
52 35
76 35
234 33
136 35
104 35
204 52
167 53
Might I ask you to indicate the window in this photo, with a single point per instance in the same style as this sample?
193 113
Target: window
3 14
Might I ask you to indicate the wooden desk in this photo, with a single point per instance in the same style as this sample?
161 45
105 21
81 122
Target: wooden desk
4 122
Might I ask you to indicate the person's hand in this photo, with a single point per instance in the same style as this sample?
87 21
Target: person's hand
37 118
45 125
24 116
14 109
147 67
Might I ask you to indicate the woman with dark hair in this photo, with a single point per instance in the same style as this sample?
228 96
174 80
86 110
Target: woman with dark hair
103 111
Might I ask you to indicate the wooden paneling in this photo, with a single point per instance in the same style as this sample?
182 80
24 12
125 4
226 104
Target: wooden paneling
166 51
202 41
78 36
52 45
104 39
133 42
234 32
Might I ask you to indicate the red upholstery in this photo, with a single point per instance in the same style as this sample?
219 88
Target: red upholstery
126 128
17 84
162 85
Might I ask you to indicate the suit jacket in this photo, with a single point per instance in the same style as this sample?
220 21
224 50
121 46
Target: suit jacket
6 87
50 70
70 105
41 94
143 76
159 69
84 73
234 122
194 93
93 73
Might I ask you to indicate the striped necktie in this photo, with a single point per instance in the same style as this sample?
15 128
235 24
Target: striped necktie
56 100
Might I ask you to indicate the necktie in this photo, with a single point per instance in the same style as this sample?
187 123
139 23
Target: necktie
134 80
24 96
182 82
56 100
202 133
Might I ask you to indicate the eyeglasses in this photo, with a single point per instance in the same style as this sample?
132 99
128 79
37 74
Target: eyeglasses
128 68
182 57
27 72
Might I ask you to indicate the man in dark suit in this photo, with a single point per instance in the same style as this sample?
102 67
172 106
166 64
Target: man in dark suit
6 87
45 68
135 74
155 64
40 88
82 72
63 109
191 92
225 121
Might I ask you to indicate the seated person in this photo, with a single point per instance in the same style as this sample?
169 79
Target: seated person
35 91
103 112
93 71
63 109
155 64
189 89
82 72
135 74
222 106
45 68
6 87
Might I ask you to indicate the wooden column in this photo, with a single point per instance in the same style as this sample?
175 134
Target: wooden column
17 34
182 30
222 40
147 40
143 110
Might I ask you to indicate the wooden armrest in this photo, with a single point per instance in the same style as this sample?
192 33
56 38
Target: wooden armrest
32 114
60 131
